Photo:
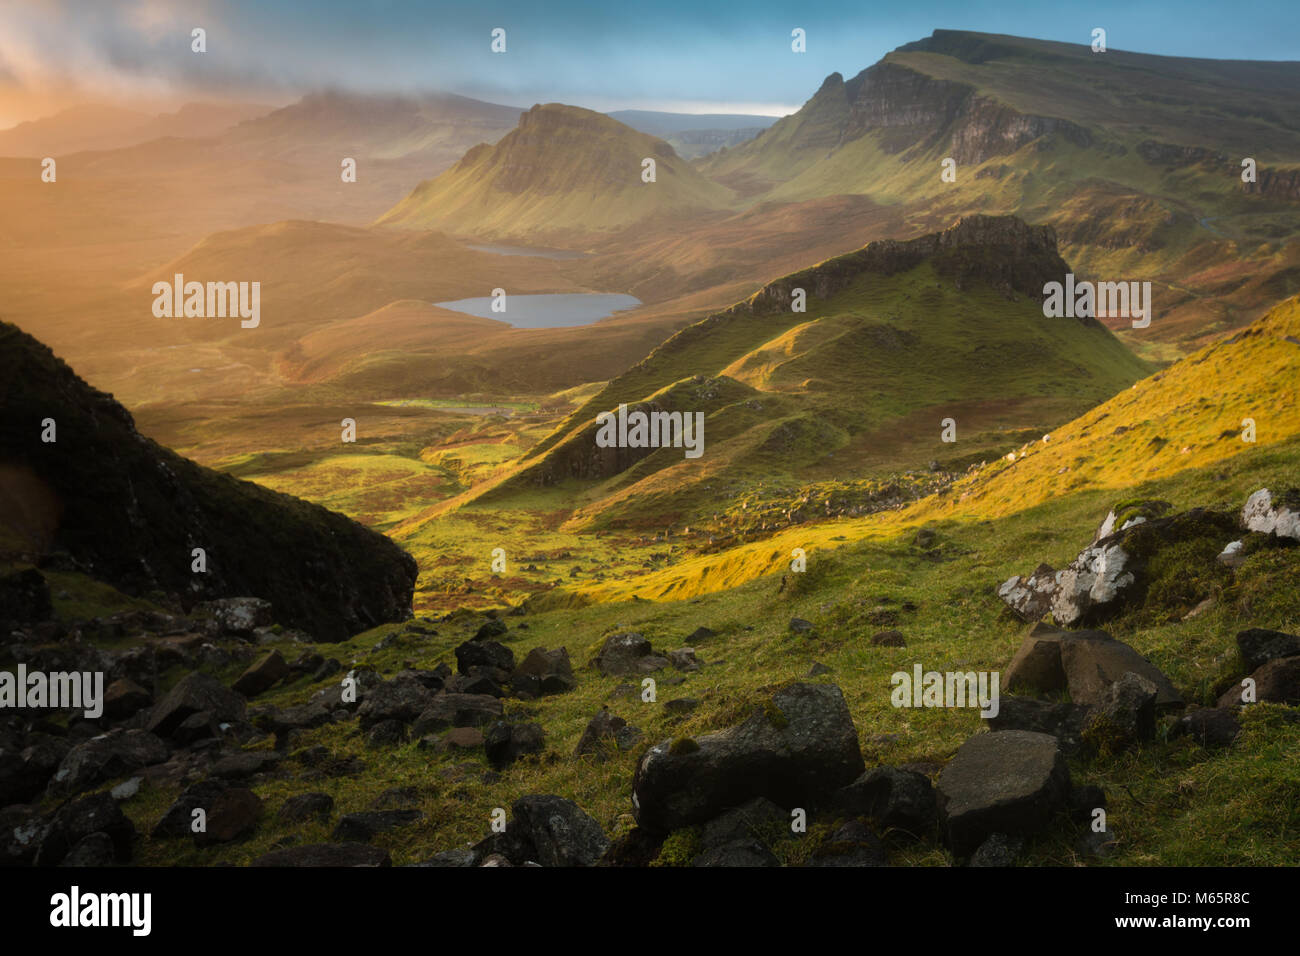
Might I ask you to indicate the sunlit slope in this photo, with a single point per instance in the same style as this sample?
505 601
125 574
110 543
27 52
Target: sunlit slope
947 323
1188 416
563 170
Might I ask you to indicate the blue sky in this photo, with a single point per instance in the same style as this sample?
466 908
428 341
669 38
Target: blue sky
691 55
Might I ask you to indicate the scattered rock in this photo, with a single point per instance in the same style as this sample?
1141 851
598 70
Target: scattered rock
177 821
1259 645
795 750
1208 726
1269 515
71 823
327 854
362 827
1126 715
545 672
628 653
889 639
853 844
403 699
560 833
747 852
799 626
1277 681
457 710
1011 781
238 616
504 743
233 816
894 798
306 806
1084 662
759 819
124 698
817 670
1062 719
110 755
997 850
262 675
194 692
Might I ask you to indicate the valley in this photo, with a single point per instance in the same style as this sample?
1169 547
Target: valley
403 426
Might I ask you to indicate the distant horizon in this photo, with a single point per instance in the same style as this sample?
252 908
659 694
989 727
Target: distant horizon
697 57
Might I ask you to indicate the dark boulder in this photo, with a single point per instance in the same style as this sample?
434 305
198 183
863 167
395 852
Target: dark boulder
796 749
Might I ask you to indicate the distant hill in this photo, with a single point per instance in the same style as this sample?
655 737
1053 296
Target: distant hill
100 127
1135 160
562 171
692 135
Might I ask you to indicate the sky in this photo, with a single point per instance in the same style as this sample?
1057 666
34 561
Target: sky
681 55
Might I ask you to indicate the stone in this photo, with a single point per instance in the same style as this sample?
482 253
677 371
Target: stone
683 659
1267 514
177 821
796 749
25 773
402 699
800 626
889 639
1125 716
759 819
1277 681
124 698
462 738
504 743
548 672
1260 645
559 831
627 653
241 766
387 733
71 823
95 849
600 731
1084 662
1062 719
233 816
852 844
1010 781
364 826
193 693
497 658
997 850
747 852
895 799
1208 726
306 806
267 671
681 706
110 755
448 710
239 616
326 854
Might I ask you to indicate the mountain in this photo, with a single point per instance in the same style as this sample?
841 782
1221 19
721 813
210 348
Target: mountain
108 501
692 135
897 337
101 127
1134 159
563 171
433 129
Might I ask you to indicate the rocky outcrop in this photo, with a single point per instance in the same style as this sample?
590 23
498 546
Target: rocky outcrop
130 512
795 750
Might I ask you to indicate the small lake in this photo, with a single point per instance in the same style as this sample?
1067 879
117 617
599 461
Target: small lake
549 311
529 251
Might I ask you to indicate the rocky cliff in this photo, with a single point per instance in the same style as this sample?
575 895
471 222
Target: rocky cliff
129 512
